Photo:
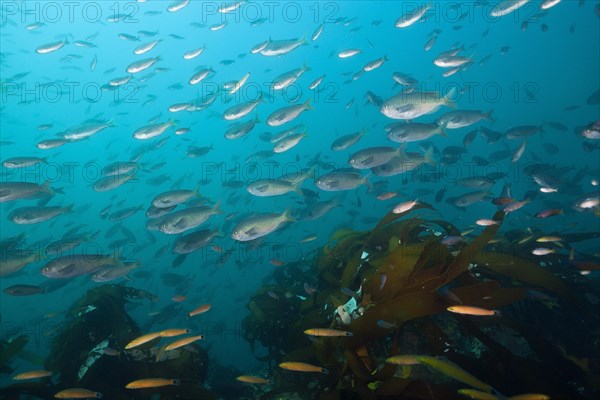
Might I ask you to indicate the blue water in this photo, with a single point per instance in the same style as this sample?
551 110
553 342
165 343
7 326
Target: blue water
541 74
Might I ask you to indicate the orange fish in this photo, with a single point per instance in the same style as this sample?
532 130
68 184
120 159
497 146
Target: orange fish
252 379
302 367
32 375
173 332
200 310
151 383
469 310
183 342
387 196
78 393
142 339
179 298
327 332
276 263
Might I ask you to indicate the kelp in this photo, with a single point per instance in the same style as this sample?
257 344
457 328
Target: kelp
403 279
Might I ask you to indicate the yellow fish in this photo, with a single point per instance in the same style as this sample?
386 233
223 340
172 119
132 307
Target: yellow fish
183 342
327 332
142 339
32 375
469 310
78 393
455 372
252 379
151 383
173 332
405 359
302 367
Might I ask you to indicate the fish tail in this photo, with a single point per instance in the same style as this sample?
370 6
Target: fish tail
428 157
287 215
176 382
367 183
307 105
448 99
325 371
489 117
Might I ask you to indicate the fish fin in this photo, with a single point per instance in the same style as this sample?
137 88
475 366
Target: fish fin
448 98
488 116
308 105
287 215
367 183
428 157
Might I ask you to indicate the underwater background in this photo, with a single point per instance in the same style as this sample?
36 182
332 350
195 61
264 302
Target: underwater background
83 82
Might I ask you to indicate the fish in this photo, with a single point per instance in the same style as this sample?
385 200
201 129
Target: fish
506 7
73 265
24 290
404 359
142 65
288 113
454 372
412 105
190 55
146 47
51 47
272 187
288 78
348 53
152 382
78 393
281 47
302 367
346 141
112 182
22 162
288 142
457 119
470 310
412 17
238 111
177 5
183 342
174 198
325 332
253 379
191 242
199 310
153 130
373 157
186 219
173 332
405 206
142 340
415 131
35 215
255 226
32 375
341 179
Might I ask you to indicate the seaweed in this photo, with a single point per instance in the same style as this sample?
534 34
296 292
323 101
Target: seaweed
402 275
